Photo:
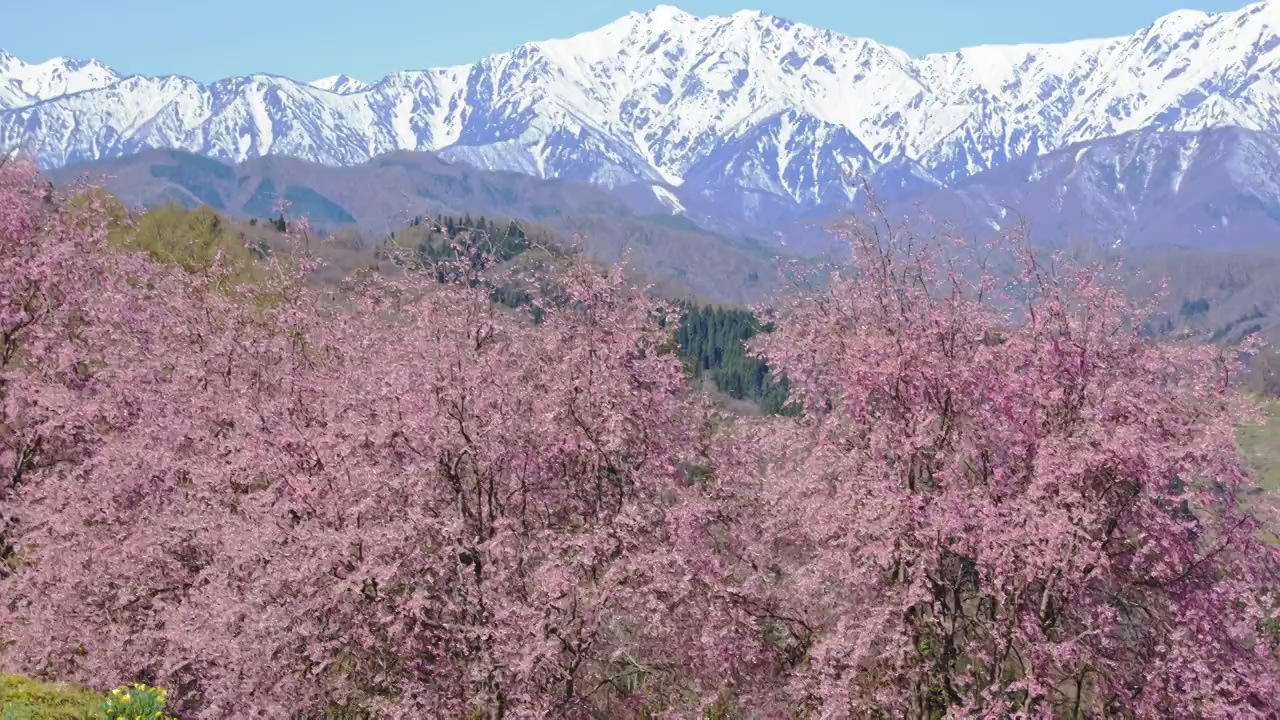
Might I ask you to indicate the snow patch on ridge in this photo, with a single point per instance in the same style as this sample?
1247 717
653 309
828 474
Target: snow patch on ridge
666 197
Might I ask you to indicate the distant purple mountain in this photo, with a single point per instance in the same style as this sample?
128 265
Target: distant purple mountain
747 123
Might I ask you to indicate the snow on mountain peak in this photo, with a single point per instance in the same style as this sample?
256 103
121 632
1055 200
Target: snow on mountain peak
665 14
339 84
1182 19
23 83
655 95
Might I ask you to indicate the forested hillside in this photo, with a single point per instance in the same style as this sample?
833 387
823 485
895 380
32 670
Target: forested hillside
713 344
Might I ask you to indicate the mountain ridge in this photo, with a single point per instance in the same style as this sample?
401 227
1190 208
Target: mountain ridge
650 95
1213 189
747 124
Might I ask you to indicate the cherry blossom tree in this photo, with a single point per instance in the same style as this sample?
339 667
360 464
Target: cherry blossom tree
51 410
1003 500
400 498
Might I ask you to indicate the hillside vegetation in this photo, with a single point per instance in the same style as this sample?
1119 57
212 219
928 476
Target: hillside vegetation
475 479
1261 445
387 193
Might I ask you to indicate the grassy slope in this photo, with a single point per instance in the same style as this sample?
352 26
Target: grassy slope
25 699
1261 446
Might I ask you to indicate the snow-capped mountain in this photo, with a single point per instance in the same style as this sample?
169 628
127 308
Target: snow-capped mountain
797 160
1216 188
749 108
339 84
24 83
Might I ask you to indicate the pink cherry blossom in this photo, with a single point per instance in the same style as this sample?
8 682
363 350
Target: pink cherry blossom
1006 504
396 497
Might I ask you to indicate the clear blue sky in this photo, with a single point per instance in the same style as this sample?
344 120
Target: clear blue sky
308 39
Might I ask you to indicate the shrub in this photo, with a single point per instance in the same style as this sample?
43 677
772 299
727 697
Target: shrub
135 702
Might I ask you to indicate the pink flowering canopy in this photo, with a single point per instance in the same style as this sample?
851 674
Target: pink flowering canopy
397 498
1003 500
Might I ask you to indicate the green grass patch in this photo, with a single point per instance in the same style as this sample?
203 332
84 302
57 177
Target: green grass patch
1261 447
22 698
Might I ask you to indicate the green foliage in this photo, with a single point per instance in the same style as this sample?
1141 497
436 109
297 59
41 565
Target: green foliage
713 344
194 239
94 202
201 241
443 245
469 239
22 698
711 339
1261 447
1271 629
137 702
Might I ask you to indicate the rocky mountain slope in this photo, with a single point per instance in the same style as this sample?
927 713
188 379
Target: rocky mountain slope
23 83
1216 188
749 102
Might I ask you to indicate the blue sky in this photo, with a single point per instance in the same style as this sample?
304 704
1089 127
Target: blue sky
308 39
